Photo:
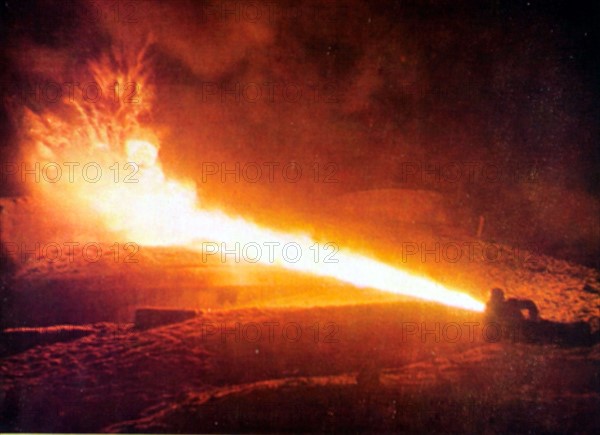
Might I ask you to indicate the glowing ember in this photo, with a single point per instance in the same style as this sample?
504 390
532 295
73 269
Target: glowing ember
140 202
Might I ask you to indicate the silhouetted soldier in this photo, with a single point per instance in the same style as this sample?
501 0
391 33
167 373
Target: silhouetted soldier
510 310
508 314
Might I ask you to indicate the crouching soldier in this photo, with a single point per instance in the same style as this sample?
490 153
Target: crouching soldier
508 314
511 310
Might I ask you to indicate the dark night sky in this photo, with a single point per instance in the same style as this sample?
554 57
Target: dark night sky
438 82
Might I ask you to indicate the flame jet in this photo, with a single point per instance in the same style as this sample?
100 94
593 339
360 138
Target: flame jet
153 210
156 211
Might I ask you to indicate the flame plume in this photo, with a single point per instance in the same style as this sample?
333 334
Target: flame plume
158 211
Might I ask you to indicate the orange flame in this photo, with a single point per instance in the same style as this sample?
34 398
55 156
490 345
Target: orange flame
156 211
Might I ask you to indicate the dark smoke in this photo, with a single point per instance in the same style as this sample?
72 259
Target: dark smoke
513 84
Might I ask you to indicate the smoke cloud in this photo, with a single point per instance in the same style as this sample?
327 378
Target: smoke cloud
358 95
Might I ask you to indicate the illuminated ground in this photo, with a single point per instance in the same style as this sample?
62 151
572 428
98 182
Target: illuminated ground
173 379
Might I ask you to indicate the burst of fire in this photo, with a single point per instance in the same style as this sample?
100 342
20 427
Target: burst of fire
156 211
